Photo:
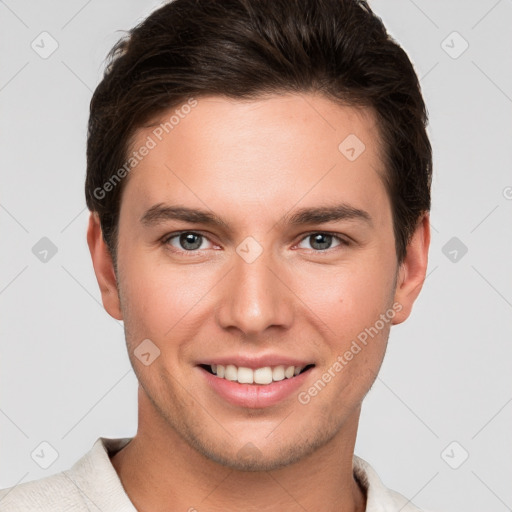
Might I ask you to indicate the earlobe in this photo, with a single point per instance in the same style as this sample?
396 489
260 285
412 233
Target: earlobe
103 267
412 272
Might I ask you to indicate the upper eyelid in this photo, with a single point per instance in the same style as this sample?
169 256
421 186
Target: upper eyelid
174 234
339 236
342 239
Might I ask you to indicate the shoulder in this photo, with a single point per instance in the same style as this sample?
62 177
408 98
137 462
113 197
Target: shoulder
91 484
53 493
378 496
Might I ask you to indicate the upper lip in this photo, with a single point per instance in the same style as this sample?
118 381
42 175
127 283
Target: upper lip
255 362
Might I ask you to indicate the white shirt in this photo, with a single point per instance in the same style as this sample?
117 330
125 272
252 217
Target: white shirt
92 485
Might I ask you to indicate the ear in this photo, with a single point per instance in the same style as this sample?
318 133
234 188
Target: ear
103 267
412 272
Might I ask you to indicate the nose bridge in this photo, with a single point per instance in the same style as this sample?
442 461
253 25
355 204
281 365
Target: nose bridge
254 298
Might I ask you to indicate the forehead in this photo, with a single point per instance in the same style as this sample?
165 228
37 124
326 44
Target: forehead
270 152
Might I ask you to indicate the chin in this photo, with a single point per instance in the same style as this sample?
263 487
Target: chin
264 456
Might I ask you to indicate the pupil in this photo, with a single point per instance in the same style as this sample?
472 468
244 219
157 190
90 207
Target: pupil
187 241
318 240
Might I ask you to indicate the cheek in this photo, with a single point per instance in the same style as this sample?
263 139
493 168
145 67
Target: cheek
158 297
350 297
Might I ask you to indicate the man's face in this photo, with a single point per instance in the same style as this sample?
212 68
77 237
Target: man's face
259 290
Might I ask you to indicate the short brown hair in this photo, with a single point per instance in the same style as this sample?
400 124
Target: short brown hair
246 49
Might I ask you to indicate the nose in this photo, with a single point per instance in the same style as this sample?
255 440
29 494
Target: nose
255 296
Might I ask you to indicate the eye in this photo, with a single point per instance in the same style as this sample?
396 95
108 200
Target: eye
321 241
188 241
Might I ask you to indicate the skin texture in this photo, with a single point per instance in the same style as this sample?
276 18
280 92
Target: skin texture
252 163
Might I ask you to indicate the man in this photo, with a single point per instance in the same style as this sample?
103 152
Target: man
258 175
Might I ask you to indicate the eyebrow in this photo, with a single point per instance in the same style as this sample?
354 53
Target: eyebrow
160 213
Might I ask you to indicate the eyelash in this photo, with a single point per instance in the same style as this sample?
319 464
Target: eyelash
167 238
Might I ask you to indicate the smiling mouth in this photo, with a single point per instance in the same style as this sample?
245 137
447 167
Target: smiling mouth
263 376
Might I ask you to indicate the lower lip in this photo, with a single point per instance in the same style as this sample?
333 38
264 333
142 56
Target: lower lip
254 396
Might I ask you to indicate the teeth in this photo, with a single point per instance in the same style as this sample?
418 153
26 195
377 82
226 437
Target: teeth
264 375
289 372
245 375
278 373
231 372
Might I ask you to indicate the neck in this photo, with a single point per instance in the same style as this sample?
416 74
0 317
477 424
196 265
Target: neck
160 472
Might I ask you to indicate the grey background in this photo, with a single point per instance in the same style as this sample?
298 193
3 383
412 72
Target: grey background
65 376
